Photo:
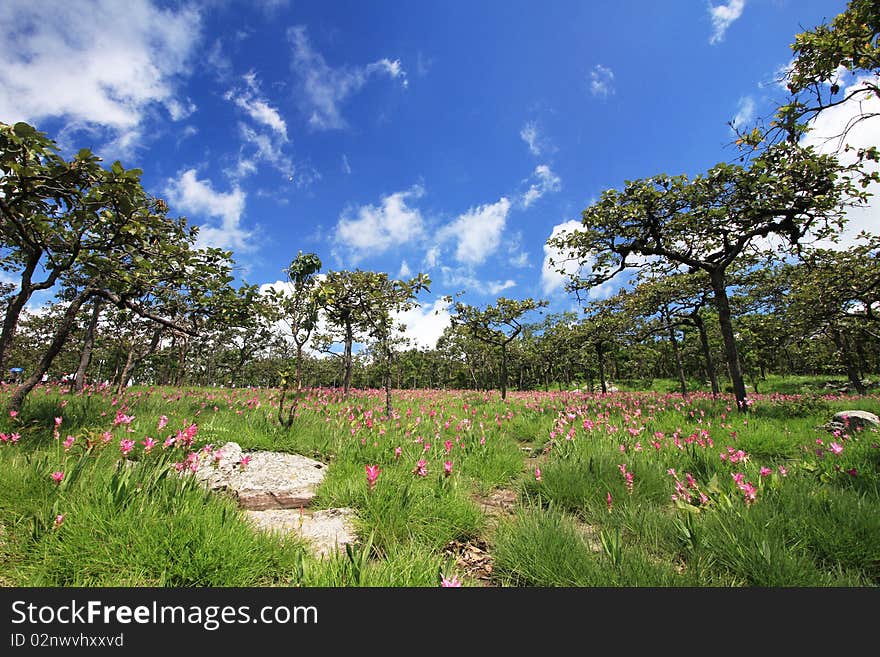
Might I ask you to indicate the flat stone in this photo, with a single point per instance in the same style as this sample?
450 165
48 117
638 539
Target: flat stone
325 531
857 419
271 480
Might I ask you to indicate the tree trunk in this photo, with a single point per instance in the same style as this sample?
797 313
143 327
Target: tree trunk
54 348
347 360
134 359
14 307
85 356
181 361
600 352
682 380
731 353
503 371
852 372
707 353
388 383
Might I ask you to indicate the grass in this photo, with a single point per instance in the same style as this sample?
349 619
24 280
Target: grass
783 507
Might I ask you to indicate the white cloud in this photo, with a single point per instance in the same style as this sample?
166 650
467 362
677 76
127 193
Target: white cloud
260 147
425 324
547 181
405 271
99 64
326 88
255 106
477 232
723 16
371 230
198 198
601 81
552 280
432 257
745 113
346 167
530 135
469 283
825 135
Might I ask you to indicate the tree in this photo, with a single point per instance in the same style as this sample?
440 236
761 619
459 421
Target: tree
497 324
381 299
299 310
710 223
849 43
51 212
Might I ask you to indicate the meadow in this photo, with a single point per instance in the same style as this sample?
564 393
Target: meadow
622 490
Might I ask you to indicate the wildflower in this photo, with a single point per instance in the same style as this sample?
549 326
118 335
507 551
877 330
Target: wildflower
447 468
447 446
148 444
836 448
57 477
608 501
537 474
122 418
58 421
738 477
421 468
68 442
450 583
397 452
163 420
243 462
671 471
59 519
126 446
692 483
783 470
372 475
852 472
749 492
765 471
703 498
14 437
13 414
106 436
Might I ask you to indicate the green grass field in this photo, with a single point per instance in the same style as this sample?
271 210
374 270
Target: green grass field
627 489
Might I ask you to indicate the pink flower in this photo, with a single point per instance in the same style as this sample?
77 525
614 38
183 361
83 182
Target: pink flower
122 418
783 470
148 444
450 583
622 468
749 492
57 477
447 445
13 414
58 421
163 420
126 446
836 448
447 468
14 437
852 472
243 462
421 468
372 475
59 520
537 474
738 477
691 481
397 452
765 471
106 436
608 501
671 471
68 442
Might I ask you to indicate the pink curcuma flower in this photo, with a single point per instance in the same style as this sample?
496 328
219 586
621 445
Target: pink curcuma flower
59 520
68 442
421 468
450 583
57 476
243 462
783 470
163 421
836 448
738 477
397 452
372 475
13 414
447 446
125 446
122 418
608 501
58 421
749 492
447 468
765 471
537 474
148 444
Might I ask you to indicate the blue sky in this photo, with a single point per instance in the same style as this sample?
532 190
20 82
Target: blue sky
448 137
